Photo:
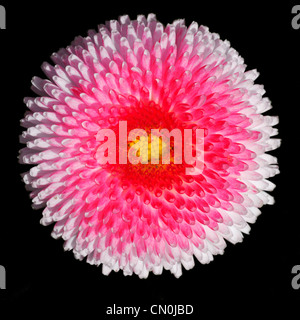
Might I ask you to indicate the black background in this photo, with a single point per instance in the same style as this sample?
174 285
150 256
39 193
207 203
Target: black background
251 277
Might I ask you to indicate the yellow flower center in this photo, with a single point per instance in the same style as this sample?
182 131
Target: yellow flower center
144 147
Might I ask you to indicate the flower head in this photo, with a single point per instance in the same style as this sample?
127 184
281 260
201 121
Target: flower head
149 215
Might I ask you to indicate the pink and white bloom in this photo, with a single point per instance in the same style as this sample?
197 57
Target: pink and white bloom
148 217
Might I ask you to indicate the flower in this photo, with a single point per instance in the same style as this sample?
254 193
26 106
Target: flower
148 217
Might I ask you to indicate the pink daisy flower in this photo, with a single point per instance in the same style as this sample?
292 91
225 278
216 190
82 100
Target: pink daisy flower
148 216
